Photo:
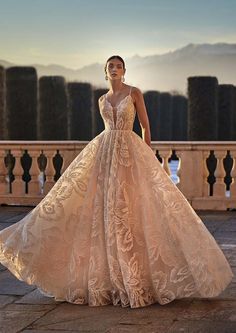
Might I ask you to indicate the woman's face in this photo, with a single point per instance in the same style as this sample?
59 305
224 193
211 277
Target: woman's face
115 69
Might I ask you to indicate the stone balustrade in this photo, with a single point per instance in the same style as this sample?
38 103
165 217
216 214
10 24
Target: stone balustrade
206 170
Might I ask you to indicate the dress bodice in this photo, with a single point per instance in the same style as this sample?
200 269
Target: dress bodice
120 117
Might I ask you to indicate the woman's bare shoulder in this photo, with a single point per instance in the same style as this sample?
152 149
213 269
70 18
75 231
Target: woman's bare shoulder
135 90
101 98
136 93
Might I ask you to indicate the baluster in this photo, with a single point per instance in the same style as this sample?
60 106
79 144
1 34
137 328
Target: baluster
154 150
233 174
179 168
165 155
190 173
3 173
219 186
34 185
206 185
64 165
68 156
49 171
18 185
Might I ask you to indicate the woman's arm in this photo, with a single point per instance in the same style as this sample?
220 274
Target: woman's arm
142 115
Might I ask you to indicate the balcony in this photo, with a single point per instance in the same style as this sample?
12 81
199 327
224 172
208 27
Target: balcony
204 171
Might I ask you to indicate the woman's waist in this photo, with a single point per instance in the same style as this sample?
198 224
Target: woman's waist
118 130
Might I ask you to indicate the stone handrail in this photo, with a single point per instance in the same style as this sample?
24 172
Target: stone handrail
193 171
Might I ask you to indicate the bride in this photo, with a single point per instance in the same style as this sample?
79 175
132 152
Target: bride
115 229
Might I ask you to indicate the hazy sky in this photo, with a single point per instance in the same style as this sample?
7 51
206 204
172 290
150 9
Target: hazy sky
75 33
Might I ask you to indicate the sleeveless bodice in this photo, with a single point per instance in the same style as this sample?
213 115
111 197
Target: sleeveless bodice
120 117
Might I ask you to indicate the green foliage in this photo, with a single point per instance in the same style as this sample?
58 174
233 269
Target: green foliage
80 114
53 108
152 102
202 108
97 122
234 116
225 111
21 103
2 104
179 118
165 116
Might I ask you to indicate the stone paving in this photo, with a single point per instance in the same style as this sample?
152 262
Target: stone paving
24 309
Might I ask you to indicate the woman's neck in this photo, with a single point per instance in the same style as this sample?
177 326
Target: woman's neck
116 86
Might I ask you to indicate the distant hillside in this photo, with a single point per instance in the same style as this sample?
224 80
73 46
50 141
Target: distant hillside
166 72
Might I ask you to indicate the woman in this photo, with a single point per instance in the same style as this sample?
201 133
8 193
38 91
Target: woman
115 229
115 70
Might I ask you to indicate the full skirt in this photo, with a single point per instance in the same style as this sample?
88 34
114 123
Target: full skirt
115 229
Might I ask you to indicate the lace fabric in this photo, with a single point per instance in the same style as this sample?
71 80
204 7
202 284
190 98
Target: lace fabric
115 229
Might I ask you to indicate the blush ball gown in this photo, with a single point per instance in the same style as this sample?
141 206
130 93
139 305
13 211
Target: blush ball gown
115 229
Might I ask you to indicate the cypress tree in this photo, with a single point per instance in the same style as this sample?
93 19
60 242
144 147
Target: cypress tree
2 104
21 103
80 105
152 102
165 116
233 128
179 118
202 108
53 108
225 111
97 121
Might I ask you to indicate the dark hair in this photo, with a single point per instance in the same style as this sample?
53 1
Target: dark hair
114 57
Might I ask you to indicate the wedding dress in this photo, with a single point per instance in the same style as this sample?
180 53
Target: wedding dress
115 229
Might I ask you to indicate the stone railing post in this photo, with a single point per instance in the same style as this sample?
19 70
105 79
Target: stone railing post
18 185
49 171
233 175
34 185
3 173
219 187
68 157
190 173
165 155
206 186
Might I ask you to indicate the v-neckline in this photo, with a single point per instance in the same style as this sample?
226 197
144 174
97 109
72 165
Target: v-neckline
118 104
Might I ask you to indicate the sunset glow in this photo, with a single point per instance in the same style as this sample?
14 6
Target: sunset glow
76 33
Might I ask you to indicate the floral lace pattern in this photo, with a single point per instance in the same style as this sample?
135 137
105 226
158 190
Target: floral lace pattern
115 229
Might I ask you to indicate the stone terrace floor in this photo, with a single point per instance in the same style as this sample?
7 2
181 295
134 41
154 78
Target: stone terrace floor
23 309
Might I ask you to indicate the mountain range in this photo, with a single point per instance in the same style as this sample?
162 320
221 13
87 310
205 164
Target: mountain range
165 72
